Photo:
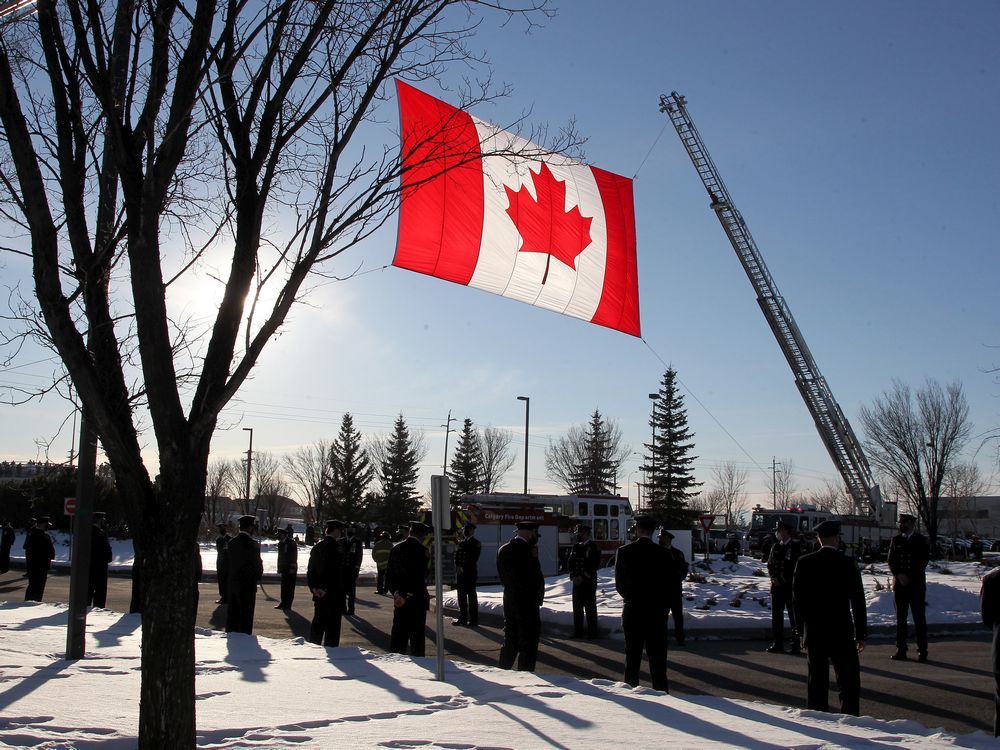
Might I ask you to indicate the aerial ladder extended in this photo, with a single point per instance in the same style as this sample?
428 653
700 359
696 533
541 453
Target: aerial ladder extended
830 421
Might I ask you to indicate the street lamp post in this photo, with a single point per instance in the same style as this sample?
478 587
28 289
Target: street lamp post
249 462
527 408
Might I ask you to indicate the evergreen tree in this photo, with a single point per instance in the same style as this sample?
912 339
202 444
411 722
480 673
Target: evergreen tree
587 459
670 483
399 456
350 474
466 474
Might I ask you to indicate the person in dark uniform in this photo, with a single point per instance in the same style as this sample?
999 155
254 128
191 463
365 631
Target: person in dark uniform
353 555
39 552
325 578
6 542
466 575
765 546
908 556
976 548
406 578
245 571
675 593
584 560
100 557
310 535
785 553
523 592
222 562
642 570
288 566
731 552
989 598
380 556
830 615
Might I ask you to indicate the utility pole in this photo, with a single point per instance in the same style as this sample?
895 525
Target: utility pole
774 483
447 433
249 464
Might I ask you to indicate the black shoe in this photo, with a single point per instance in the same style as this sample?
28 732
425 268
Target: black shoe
472 625
922 656
775 648
459 622
899 656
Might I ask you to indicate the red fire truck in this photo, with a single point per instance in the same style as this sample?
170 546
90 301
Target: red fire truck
854 530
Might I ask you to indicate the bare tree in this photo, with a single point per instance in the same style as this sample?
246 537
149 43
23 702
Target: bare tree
588 457
309 468
963 485
218 485
712 502
783 486
270 496
915 440
497 456
147 143
730 480
832 497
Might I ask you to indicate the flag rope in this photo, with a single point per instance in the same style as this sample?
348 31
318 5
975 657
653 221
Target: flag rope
707 410
643 162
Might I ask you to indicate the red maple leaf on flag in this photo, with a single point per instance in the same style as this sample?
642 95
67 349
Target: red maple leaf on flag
544 224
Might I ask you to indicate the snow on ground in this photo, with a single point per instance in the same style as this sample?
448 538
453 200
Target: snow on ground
265 693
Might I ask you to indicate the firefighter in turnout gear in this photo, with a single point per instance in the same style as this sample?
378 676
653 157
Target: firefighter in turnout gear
785 553
466 574
584 560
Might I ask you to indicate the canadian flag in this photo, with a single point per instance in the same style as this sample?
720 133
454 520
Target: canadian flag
485 208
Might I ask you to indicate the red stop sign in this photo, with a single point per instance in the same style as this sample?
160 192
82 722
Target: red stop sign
69 506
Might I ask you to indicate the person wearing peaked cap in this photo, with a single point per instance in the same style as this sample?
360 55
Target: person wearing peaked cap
584 560
39 552
909 553
523 591
406 579
647 523
222 562
287 568
781 562
325 578
100 558
676 584
467 575
246 568
353 552
831 619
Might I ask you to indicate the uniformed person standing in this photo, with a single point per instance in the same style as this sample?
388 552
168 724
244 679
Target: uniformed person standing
245 571
731 552
675 593
990 605
466 576
6 542
39 552
380 556
909 553
100 558
222 562
523 592
325 578
406 578
830 614
584 560
353 555
785 553
642 574
288 566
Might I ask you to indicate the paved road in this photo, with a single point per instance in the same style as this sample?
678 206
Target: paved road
952 690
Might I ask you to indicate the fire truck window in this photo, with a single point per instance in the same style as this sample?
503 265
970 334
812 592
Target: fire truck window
583 509
804 524
600 509
600 529
614 528
614 511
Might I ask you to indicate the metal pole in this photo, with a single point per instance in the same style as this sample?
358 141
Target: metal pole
527 411
447 433
439 507
249 463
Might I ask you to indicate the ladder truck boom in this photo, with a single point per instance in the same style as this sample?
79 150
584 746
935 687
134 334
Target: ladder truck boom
833 427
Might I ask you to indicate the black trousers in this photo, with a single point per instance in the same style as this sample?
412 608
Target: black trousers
351 588
325 627
287 589
380 580
996 680
468 602
843 655
222 571
911 597
97 588
645 630
36 585
677 609
585 603
522 627
781 600
408 625
239 610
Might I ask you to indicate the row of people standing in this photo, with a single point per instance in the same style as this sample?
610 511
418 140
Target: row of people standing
39 552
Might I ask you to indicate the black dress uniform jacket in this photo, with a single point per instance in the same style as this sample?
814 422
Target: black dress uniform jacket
990 604
325 572
644 575
523 592
245 571
406 577
39 552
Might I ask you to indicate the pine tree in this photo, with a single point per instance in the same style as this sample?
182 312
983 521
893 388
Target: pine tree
670 483
350 474
587 458
466 474
398 472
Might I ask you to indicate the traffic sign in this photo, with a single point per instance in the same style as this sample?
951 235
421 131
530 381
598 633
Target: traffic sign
706 522
69 506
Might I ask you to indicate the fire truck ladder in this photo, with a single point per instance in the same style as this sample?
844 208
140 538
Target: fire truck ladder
830 421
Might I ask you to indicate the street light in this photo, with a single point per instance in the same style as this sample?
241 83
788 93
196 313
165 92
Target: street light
249 462
527 409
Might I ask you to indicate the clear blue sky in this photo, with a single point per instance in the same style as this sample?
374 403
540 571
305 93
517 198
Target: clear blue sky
858 141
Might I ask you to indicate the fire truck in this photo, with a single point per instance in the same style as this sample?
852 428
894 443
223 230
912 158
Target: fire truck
496 514
854 529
